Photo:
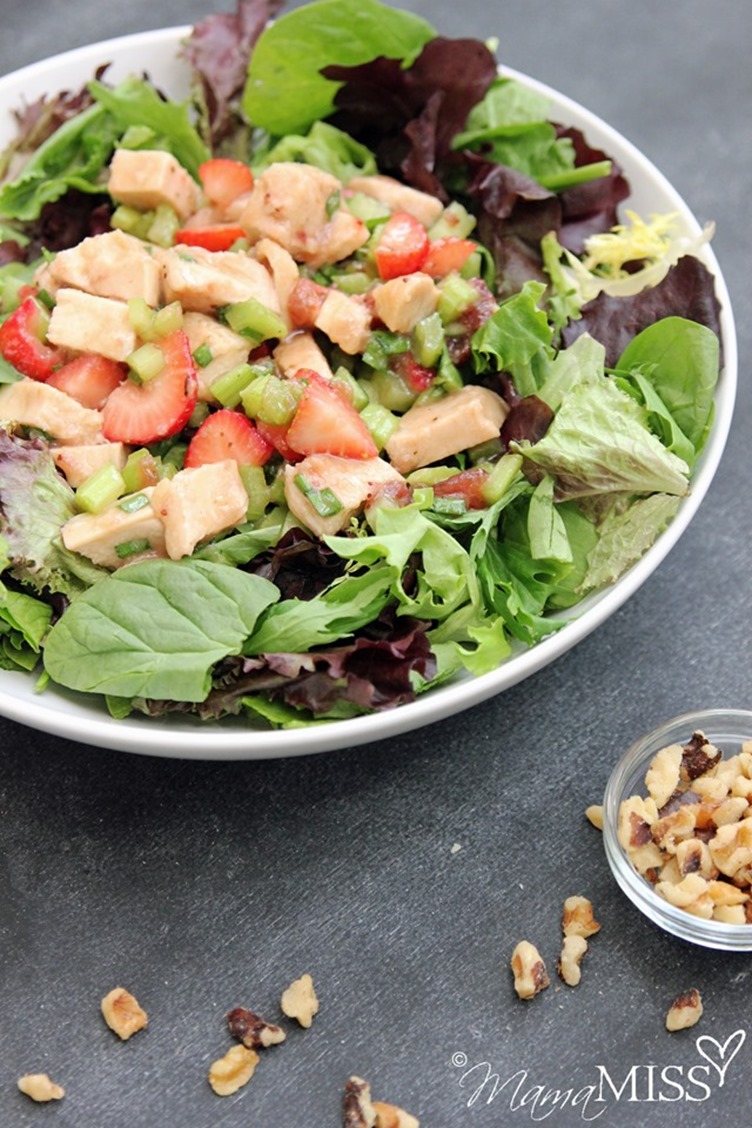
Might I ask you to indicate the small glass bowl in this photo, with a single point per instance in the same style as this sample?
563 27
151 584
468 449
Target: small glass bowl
727 729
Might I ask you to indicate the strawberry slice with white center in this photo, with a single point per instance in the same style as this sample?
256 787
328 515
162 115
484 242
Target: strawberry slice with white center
228 434
144 413
325 422
89 378
22 341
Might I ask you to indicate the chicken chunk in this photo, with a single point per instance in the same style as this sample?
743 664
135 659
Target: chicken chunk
33 404
346 321
97 535
78 463
227 348
111 265
399 197
146 178
402 302
198 503
283 269
431 431
86 323
352 481
289 204
204 280
300 350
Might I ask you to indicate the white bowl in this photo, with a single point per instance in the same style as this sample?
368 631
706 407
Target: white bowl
84 719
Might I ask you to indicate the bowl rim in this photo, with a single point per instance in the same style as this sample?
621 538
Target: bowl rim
733 725
64 715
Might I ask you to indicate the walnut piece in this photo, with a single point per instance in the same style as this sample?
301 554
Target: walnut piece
572 953
357 1108
231 1072
122 1013
685 1010
389 1116
39 1087
662 778
254 1032
594 815
577 918
530 975
299 1001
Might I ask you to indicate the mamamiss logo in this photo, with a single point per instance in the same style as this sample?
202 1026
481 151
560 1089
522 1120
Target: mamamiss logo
694 1082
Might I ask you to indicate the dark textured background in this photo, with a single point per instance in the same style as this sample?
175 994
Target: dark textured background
201 886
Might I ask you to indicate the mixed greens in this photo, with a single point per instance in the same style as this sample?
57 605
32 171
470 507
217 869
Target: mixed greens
469 395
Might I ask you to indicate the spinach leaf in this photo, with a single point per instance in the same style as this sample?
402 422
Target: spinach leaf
156 629
285 91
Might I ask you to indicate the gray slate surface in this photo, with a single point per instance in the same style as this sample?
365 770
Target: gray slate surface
201 886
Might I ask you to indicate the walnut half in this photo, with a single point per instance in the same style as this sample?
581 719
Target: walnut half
685 1010
39 1087
122 1013
530 975
254 1032
299 1001
233 1071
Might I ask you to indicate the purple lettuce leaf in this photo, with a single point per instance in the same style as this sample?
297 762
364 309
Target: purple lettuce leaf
688 291
589 208
299 564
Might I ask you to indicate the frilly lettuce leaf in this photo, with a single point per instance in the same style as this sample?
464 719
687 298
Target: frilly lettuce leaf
624 538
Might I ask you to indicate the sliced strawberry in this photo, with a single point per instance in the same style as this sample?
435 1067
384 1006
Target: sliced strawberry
276 434
224 179
305 302
22 337
89 379
325 422
228 434
467 485
144 413
402 247
446 255
218 237
416 376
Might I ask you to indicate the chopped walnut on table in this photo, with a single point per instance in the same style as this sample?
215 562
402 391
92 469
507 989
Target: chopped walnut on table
40 1088
572 953
529 970
577 918
254 1032
691 836
357 1107
233 1071
594 815
685 1010
389 1116
299 1001
122 1013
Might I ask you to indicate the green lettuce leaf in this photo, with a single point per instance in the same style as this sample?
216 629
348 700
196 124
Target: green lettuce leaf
625 537
517 339
325 147
598 443
156 629
286 92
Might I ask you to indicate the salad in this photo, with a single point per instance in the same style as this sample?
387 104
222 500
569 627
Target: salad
341 378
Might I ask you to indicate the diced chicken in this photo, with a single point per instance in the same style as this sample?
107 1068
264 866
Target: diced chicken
205 280
431 431
228 349
402 302
300 350
352 481
283 269
86 323
97 535
198 503
111 265
399 197
38 405
146 178
78 463
346 321
289 204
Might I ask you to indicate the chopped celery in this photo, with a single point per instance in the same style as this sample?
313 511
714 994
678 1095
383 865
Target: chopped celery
455 297
391 391
353 282
133 503
203 355
146 362
174 458
227 388
270 399
141 470
163 226
251 318
199 414
355 393
454 220
100 490
501 477
168 319
132 221
254 480
324 501
367 208
380 422
428 340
